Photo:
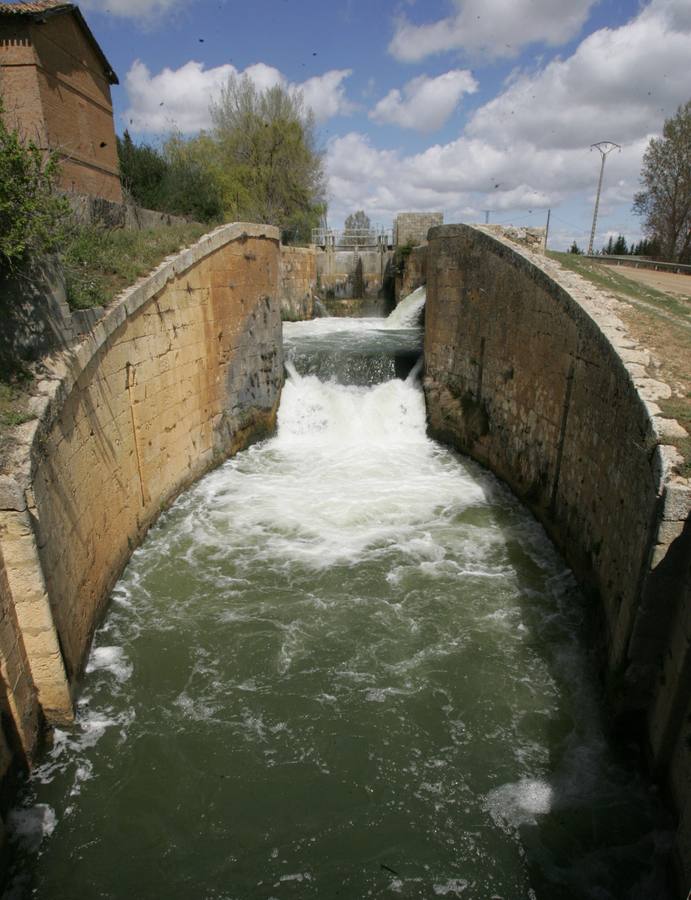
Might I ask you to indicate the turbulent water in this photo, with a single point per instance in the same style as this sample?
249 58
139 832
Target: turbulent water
345 664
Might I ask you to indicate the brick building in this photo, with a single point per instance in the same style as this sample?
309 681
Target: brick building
55 87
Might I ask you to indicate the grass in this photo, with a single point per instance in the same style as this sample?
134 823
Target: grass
659 323
16 382
99 263
13 400
611 279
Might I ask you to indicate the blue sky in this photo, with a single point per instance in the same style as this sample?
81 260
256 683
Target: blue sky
454 105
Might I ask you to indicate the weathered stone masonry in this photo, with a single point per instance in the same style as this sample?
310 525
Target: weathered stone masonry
532 374
184 370
298 274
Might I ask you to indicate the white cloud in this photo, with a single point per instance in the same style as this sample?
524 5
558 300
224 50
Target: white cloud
529 147
425 103
175 98
264 77
450 176
617 84
326 96
495 28
180 98
145 10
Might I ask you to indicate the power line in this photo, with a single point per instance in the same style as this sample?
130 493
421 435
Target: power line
578 228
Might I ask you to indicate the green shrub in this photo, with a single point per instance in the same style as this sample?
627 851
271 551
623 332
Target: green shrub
32 215
400 257
172 180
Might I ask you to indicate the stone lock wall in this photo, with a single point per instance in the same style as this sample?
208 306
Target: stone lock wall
298 282
411 273
529 371
185 369
21 715
348 274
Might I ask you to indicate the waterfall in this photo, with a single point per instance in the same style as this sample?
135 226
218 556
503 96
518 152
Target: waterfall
409 310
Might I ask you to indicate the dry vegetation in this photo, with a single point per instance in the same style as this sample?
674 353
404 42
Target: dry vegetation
660 322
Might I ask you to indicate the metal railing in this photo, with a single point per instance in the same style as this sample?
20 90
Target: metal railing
352 238
642 263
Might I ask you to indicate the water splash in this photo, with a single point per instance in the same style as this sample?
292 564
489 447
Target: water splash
409 310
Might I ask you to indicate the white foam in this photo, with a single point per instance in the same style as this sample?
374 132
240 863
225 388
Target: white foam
68 747
110 659
381 695
453 887
351 470
519 803
83 773
29 825
196 709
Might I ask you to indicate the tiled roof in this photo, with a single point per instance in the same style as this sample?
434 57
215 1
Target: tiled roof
42 9
33 6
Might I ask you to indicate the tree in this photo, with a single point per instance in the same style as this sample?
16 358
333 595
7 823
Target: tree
620 247
357 226
265 146
190 187
665 201
574 248
175 180
32 215
142 172
646 248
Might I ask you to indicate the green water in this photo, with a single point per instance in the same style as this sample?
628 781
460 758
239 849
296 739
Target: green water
345 664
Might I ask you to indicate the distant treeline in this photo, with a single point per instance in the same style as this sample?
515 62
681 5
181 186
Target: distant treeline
619 247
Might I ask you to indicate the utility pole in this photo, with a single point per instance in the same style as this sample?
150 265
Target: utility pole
549 213
604 148
486 212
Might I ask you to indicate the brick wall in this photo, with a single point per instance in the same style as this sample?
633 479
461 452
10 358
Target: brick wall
56 93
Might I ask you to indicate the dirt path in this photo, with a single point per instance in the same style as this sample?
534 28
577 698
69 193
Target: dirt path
667 282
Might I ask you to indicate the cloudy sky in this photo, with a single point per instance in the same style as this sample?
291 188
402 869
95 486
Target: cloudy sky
464 106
